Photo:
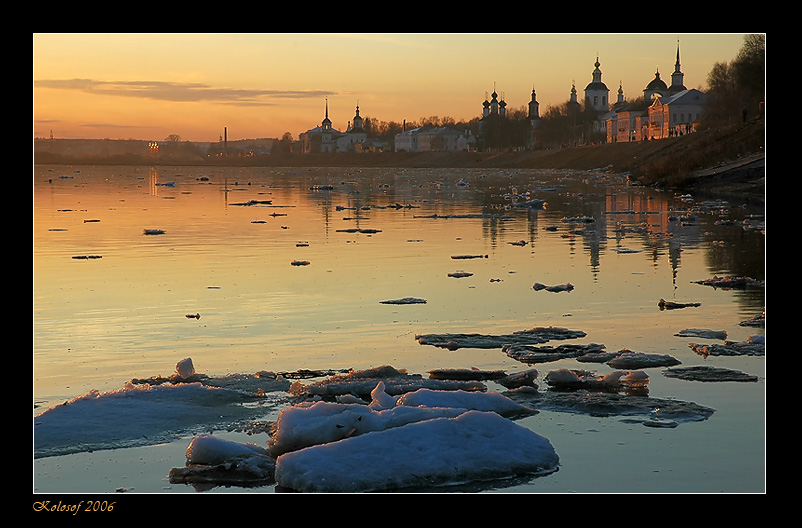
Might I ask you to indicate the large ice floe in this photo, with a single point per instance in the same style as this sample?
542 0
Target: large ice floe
154 410
474 445
420 438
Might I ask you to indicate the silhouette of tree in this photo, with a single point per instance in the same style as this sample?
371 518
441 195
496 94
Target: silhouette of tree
737 89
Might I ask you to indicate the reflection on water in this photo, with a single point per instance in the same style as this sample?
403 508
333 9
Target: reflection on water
229 237
376 234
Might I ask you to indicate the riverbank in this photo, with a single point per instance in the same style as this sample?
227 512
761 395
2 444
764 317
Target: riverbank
727 161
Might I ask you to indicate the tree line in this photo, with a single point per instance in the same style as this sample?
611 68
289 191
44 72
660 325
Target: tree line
736 91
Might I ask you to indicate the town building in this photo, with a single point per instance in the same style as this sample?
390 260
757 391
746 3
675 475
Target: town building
596 92
327 139
430 139
664 110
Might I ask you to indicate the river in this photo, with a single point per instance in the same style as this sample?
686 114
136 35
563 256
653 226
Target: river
285 269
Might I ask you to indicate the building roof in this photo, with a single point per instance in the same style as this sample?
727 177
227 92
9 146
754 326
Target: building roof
656 84
692 96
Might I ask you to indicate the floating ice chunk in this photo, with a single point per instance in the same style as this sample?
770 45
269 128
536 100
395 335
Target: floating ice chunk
673 305
566 379
363 382
556 288
380 399
308 424
627 359
473 446
753 346
701 332
480 401
731 282
466 374
535 335
708 373
210 450
184 368
405 300
135 415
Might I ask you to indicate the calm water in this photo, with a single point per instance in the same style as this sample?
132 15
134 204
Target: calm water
100 322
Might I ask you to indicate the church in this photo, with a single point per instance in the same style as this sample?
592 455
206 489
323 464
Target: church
326 139
664 110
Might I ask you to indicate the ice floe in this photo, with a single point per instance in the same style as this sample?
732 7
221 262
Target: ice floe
674 305
362 382
545 354
708 373
702 332
467 374
137 415
421 438
753 346
472 446
730 282
376 429
556 288
757 321
647 410
404 300
571 379
626 359
216 461
535 335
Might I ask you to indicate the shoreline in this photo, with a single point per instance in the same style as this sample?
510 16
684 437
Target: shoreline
728 161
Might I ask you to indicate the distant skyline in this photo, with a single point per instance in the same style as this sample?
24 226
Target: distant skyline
149 86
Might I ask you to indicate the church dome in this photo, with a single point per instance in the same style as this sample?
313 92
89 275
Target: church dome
657 84
596 84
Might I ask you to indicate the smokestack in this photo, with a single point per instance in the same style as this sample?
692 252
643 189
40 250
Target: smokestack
225 136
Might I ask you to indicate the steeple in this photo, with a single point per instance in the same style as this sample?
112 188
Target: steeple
596 92
357 119
534 107
326 121
677 76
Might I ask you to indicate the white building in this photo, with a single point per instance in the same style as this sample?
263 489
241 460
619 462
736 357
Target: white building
676 115
325 138
430 139
665 111
355 136
596 92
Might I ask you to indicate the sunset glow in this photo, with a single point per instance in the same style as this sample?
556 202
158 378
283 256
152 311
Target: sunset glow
149 86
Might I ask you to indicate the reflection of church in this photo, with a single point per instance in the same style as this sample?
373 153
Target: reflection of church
325 138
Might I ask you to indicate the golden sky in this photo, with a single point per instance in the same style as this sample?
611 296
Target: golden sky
149 86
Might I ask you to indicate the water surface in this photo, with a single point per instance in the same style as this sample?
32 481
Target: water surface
99 322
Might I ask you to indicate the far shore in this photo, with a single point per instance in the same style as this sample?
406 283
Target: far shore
728 162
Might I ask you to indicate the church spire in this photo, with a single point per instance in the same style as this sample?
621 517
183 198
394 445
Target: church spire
677 77
326 121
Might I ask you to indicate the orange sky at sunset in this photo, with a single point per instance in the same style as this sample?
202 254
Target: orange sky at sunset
149 86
